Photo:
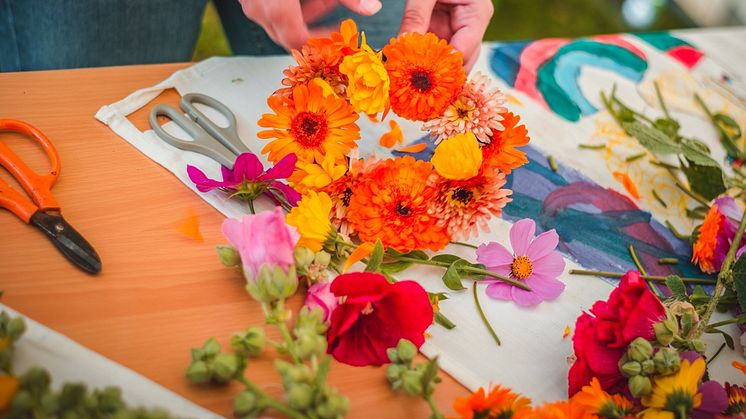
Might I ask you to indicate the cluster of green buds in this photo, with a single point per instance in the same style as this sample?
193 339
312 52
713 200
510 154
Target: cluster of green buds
272 284
415 380
210 365
313 266
680 327
35 399
640 364
11 329
310 334
306 391
250 342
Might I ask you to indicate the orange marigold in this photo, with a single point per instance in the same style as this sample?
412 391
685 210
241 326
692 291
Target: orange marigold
554 410
703 250
501 153
501 402
391 203
593 400
310 125
426 74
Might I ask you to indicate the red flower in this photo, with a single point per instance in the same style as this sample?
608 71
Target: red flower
602 336
374 315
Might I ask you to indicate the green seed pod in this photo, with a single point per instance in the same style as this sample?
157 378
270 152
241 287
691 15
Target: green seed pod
198 372
225 367
245 403
322 258
250 342
663 334
36 379
211 347
303 257
300 374
300 396
22 403
648 367
631 368
667 361
393 355
639 386
640 350
394 371
16 327
412 382
406 351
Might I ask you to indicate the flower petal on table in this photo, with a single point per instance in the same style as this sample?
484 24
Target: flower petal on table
499 290
551 265
494 254
521 234
542 245
525 298
547 288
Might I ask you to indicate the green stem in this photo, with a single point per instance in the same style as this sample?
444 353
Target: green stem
660 100
433 408
251 206
465 244
724 322
647 277
712 358
702 105
481 314
466 269
271 402
725 275
642 270
285 332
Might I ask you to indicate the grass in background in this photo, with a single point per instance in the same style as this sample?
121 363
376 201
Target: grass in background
513 20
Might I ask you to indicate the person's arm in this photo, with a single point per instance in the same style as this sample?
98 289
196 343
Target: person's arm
285 21
461 22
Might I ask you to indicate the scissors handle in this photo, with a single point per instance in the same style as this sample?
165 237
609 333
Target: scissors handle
37 186
201 142
228 136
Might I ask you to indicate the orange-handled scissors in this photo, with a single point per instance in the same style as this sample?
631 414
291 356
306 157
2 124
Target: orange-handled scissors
44 211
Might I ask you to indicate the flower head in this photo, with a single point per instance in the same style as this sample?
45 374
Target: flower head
501 402
603 334
716 234
477 109
248 179
426 75
680 394
317 176
736 401
502 153
465 206
390 203
458 157
320 295
533 261
374 315
309 124
593 400
311 218
368 82
553 410
262 239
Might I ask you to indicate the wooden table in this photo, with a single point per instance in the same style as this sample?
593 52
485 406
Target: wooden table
160 292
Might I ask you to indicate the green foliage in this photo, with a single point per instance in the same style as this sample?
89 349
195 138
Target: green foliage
739 280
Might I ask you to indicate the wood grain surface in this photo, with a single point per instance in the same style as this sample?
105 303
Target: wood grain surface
160 292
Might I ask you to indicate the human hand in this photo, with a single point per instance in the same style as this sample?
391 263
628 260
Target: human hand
461 22
285 21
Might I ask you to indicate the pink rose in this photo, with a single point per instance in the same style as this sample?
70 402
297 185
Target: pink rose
262 239
320 295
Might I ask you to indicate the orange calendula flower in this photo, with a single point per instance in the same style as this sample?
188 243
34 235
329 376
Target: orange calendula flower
320 58
465 206
426 74
310 125
8 388
501 402
368 82
555 410
317 176
458 157
593 400
391 202
502 153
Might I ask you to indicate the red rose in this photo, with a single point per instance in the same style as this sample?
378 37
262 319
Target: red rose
374 315
602 336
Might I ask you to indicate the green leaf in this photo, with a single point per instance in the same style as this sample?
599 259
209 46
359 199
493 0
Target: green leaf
728 338
452 278
668 126
653 139
705 180
699 296
416 254
394 267
472 275
694 151
739 280
443 320
439 295
730 132
429 376
375 258
677 287
445 258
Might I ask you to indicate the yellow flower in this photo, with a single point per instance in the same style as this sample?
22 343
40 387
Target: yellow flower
458 157
311 218
316 176
675 395
326 88
368 81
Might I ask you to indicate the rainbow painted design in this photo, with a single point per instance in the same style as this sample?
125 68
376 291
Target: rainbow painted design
674 47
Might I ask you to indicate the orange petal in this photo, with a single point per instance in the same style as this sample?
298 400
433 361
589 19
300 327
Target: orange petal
627 183
412 148
567 332
392 137
189 226
739 366
8 388
358 254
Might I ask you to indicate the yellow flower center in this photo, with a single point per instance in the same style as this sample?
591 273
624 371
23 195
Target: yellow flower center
309 129
460 196
521 267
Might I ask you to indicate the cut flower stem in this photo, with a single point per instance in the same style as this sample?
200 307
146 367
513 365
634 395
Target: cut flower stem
647 277
481 314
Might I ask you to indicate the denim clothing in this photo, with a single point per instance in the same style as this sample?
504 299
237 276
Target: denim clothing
49 34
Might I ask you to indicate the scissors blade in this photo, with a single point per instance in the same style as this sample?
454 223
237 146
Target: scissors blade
75 248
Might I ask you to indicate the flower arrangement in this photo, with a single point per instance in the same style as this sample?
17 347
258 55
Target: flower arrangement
638 353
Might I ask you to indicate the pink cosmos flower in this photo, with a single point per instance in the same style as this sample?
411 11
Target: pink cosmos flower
249 179
262 239
533 261
320 295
